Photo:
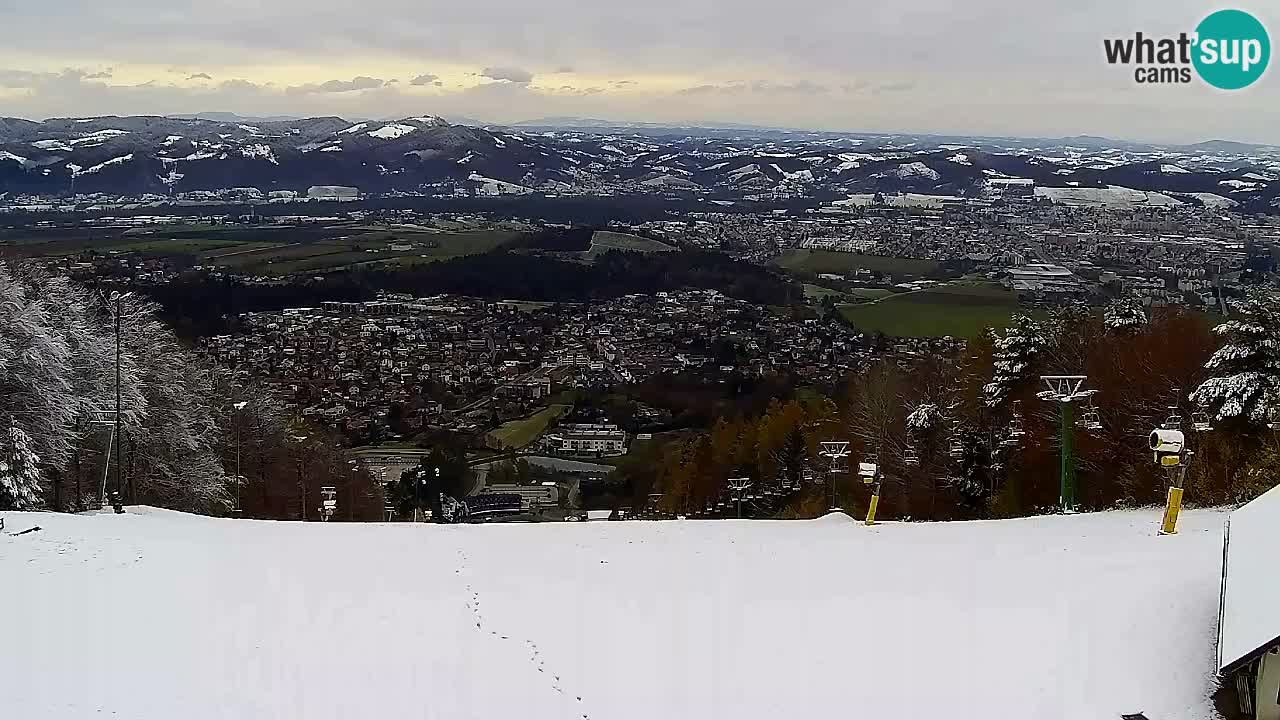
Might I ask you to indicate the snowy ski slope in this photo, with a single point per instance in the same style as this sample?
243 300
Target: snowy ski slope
156 615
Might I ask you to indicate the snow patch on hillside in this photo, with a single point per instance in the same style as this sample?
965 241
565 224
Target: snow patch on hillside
392 131
1110 196
1215 201
1239 184
260 152
98 137
52 145
914 169
104 165
430 121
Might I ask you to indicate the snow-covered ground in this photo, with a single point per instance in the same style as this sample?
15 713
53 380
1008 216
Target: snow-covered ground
159 615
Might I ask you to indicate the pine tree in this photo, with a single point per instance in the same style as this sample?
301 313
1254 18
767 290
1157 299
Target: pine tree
19 470
1245 372
1125 316
924 418
1015 355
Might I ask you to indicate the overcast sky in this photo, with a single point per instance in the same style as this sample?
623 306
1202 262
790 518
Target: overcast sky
1029 67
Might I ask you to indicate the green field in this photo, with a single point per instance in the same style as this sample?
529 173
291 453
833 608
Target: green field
817 292
864 294
958 310
264 249
603 241
518 433
826 261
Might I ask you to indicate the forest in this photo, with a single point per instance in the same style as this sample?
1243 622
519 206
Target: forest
197 304
969 437
192 437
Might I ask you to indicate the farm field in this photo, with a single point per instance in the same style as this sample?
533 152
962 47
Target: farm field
265 250
518 433
957 310
826 261
604 240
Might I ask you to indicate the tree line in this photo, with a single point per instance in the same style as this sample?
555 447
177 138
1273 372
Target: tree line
969 436
192 437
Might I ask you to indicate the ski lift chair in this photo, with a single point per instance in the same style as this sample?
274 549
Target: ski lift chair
911 456
1200 421
1173 421
1016 430
1091 420
956 449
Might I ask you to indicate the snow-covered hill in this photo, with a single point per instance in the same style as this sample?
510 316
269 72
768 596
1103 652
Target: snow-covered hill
166 155
158 615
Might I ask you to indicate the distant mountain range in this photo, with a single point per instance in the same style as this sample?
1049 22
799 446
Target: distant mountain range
167 155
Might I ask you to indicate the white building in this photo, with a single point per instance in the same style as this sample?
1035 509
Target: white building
594 440
333 192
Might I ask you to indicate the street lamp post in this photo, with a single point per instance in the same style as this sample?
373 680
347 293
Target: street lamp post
235 418
117 298
298 463
1065 390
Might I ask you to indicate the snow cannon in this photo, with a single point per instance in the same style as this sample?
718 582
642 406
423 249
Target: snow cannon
1167 447
867 471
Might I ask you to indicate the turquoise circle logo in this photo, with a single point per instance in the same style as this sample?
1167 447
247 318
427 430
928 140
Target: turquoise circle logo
1232 49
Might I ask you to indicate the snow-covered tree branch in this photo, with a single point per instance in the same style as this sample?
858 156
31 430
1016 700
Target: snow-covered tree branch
1245 372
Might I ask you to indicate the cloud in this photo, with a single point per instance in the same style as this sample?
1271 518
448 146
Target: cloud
426 79
799 87
699 90
238 84
580 92
18 78
29 79
100 75
891 87
200 76
361 82
730 88
918 53
510 74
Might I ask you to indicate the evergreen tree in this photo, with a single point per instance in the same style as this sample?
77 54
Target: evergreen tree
975 473
1245 372
1015 355
1125 316
924 419
19 470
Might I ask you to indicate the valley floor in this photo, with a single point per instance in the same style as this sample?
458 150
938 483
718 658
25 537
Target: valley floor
159 615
